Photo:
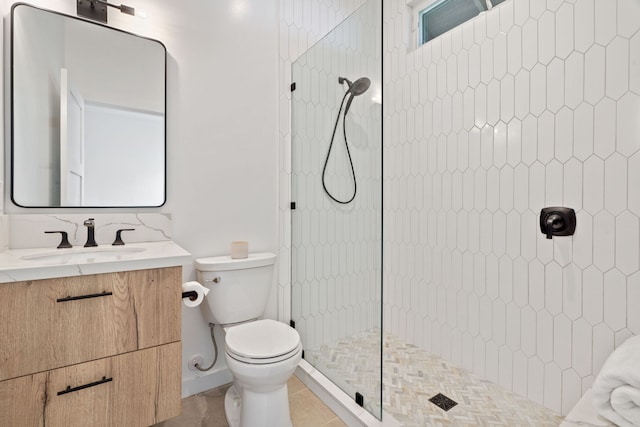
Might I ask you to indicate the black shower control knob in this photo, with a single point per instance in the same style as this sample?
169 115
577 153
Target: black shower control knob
557 221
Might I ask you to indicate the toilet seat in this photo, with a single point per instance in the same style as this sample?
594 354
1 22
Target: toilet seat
262 342
267 361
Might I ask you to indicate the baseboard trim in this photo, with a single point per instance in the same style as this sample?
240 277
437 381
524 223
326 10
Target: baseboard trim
207 381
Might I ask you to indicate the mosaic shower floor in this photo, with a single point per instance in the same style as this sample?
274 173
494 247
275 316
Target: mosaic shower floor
411 376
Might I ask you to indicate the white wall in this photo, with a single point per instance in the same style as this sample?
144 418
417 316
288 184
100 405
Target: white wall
115 68
123 157
531 104
222 134
40 183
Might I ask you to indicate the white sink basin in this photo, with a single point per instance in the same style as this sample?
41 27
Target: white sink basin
46 263
83 255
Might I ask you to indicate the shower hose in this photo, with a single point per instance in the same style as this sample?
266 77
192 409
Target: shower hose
346 143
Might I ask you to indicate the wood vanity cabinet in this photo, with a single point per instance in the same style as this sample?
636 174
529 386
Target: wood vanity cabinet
96 350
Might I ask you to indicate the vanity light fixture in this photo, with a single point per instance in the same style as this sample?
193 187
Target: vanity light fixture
97 9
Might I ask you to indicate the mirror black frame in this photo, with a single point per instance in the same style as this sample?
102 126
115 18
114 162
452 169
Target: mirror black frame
11 110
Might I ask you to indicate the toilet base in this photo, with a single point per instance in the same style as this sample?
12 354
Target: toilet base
267 410
232 406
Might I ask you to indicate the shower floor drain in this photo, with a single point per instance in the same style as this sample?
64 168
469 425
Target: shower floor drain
443 402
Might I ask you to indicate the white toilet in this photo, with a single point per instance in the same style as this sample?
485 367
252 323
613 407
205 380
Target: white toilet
261 354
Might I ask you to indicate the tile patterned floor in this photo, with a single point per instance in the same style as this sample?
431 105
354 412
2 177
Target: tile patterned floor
353 364
412 376
207 409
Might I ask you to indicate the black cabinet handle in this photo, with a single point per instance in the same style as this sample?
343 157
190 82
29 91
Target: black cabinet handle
104 294
70 389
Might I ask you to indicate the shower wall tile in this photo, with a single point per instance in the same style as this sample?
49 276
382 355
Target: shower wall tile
329 240
531 104
302 24
461 197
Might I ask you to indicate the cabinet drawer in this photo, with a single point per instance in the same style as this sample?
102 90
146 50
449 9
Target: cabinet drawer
133 389
58 322
22 400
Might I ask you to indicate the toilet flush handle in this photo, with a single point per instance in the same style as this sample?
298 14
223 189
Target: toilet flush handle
216 279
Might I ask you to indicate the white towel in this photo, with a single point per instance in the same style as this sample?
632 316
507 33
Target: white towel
584 414
616 390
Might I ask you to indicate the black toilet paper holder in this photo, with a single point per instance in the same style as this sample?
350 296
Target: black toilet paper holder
557 221
192 295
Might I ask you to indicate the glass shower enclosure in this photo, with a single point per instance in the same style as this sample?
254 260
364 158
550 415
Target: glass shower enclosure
336 229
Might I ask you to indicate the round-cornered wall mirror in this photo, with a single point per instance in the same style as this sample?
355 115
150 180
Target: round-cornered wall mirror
88 113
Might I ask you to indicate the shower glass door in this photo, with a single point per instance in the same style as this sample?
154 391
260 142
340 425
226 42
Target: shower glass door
336 299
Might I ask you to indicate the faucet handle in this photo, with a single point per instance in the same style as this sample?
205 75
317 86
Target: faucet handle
64 243
118 241
89 222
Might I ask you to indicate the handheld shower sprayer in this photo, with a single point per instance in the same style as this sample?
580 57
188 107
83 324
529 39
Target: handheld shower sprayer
354 89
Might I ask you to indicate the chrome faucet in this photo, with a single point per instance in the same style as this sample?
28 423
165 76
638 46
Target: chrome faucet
91 240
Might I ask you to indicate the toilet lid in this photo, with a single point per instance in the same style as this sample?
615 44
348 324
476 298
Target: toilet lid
262 339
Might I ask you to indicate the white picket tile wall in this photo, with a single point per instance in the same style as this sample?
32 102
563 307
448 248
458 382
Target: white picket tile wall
336 249
302 24
534 103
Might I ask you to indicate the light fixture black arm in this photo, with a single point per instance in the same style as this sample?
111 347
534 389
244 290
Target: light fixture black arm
97 9
123 8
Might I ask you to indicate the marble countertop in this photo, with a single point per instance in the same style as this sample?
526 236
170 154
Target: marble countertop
46 263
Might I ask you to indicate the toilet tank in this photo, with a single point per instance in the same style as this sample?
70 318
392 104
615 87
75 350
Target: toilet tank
239 288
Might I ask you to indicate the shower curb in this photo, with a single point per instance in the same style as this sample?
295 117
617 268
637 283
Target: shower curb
338 401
